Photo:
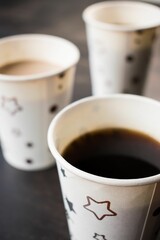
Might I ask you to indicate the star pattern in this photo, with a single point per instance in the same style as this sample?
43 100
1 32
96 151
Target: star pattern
16 132
99 237
70 205
11 105
63 172
99 209
67 215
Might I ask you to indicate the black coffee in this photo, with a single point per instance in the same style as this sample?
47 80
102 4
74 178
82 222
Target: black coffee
115 153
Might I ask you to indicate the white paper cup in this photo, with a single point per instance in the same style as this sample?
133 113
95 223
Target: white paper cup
106 208
29 102
120 36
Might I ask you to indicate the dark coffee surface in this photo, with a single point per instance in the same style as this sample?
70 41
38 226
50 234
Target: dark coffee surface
115 153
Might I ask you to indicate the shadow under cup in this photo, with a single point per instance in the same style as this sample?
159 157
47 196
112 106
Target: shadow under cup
133 210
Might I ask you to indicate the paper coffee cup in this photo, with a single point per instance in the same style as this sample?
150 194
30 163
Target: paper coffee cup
99 207
120 38
29 102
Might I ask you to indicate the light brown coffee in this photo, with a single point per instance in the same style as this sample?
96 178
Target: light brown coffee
27 68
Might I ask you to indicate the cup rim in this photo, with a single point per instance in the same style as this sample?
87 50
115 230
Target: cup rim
46 74
88 176
86 15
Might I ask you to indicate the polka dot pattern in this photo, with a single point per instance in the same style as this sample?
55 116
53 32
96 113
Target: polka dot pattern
130 58
139 32
29 161
135 80
53 108
61 75
116 60
29 145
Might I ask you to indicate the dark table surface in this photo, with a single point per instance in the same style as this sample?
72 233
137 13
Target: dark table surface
31 206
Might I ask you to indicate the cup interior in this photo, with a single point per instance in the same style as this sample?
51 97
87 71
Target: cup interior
93 113
126 14
55 50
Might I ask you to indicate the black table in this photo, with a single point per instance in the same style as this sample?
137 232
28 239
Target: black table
31 206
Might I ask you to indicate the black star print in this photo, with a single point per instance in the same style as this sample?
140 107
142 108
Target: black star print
67 215
70 205
99 237
63 172
99 209
11 105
